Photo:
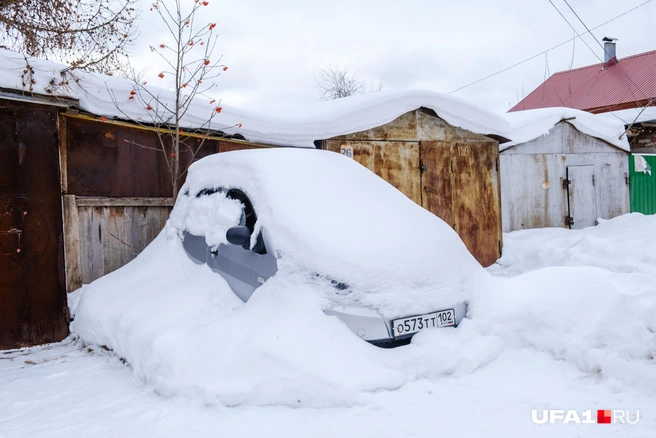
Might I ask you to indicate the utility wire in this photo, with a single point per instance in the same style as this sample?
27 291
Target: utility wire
628 128
548 50
575 31
604 49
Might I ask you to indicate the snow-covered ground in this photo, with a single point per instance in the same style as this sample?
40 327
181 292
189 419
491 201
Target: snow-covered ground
568 321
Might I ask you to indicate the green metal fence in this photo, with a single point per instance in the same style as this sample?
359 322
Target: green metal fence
643 186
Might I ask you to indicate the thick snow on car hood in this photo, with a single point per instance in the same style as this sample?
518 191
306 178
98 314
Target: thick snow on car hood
328 215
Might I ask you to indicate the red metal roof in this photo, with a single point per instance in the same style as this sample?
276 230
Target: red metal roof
627 83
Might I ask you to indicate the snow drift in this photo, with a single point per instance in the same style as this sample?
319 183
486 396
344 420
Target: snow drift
183 331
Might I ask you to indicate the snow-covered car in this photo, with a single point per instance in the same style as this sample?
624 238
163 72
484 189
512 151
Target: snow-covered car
388 268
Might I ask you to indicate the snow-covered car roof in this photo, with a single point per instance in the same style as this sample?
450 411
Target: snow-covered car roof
531 124
332 216
301 126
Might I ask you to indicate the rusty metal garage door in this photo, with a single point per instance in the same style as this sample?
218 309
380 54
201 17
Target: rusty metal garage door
460 184
32 292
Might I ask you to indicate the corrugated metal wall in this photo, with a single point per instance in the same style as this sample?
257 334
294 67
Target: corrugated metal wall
643 186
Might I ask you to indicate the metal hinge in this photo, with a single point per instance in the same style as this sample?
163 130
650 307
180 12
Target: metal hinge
569 220
566 183
593 179
626 178
422 167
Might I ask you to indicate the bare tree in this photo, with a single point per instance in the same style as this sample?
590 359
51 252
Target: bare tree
190 65
335 82
86 34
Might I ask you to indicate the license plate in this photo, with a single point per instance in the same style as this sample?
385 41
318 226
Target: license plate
413 324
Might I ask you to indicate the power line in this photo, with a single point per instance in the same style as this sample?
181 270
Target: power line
548 50
574 29
604 49
586 27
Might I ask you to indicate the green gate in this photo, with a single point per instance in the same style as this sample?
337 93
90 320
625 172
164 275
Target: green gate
643 186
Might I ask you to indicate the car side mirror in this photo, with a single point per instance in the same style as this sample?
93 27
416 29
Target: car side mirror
239 235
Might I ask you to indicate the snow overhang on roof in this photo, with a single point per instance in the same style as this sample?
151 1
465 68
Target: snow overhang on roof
531 124
633 115
110 97
17 96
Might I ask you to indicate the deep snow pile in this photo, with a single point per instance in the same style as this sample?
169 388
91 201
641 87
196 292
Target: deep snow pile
600 321
586 296
182 329
531 124
625 244
110 97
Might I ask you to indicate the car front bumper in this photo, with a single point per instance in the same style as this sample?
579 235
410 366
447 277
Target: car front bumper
374 328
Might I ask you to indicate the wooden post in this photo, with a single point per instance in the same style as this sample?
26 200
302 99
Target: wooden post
72 244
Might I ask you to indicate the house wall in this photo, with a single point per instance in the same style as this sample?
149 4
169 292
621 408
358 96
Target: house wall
534 180
451 172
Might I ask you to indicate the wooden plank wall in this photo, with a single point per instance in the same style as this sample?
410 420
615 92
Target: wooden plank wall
103 234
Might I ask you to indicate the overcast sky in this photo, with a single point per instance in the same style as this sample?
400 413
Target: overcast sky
275 48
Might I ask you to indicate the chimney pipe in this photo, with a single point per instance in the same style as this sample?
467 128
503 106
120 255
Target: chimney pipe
609 50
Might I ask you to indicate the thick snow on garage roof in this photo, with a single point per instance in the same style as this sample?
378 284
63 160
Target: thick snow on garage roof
531 124
104 95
